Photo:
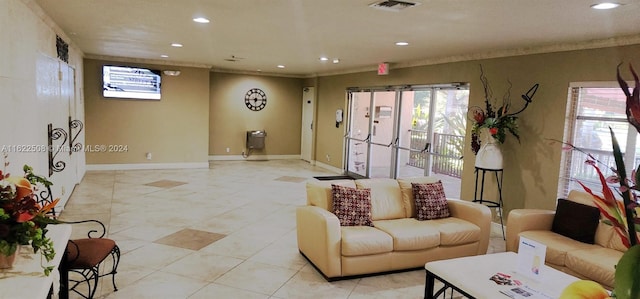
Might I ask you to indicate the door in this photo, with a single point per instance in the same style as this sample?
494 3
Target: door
306 140
358 137
407 131
414 142
383 135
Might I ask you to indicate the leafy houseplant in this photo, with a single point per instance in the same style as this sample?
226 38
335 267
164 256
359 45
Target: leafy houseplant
22 220
498 120
622 215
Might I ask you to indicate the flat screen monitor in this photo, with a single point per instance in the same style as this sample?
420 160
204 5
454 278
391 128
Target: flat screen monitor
130 83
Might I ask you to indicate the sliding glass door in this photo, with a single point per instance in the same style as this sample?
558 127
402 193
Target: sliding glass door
407 131
358 136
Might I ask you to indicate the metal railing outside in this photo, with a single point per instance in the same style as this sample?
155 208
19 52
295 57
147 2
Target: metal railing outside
445 150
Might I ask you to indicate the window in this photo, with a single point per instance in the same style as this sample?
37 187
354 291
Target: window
592 109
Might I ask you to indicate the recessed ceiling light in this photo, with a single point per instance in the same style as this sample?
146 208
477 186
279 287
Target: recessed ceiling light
402 44
324 58
164 56
177 45
336 60
605 5
280 66
201 20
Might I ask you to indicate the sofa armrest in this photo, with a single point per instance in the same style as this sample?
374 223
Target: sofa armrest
319 239
477 214
521 220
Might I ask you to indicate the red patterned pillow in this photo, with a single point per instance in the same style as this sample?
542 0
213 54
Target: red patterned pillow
352 206
431 203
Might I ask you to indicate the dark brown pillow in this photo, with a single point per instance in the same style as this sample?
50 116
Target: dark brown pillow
576 221
352 206
431 202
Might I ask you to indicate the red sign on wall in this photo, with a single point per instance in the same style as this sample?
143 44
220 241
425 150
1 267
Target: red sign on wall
383 68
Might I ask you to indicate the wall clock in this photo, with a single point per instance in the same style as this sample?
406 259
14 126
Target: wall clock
255 99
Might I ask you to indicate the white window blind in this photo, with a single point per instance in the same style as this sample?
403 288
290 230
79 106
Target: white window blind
592 109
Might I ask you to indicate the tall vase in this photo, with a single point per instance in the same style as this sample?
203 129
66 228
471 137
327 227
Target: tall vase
489 155
6 262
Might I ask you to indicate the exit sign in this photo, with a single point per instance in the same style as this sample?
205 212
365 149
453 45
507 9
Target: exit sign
383 68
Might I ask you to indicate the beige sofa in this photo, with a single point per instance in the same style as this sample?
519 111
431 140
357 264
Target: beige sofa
587 261
397 241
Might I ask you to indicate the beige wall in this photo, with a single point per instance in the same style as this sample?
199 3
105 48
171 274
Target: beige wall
230 119
37 89
174 129
532 166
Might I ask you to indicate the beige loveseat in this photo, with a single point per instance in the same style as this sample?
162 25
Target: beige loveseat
397 241
587 261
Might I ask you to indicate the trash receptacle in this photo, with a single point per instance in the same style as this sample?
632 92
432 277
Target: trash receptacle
255 139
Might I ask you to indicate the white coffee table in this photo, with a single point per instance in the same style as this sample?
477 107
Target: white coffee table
470 276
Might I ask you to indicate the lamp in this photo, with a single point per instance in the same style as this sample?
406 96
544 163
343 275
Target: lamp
171 73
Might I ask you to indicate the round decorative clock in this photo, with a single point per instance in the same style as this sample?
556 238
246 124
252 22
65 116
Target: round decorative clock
255 99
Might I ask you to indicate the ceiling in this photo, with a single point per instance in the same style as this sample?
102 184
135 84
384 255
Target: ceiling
258 35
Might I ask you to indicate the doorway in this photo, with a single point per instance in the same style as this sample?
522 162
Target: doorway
306 141
407 131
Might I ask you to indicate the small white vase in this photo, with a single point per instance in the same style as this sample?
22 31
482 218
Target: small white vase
489 155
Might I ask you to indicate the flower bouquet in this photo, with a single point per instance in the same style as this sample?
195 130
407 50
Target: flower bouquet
22 220
496 120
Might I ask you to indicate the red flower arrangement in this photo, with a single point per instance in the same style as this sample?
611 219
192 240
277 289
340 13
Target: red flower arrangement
498 121
22 220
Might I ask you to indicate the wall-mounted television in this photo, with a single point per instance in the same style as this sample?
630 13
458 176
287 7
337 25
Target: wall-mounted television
130 82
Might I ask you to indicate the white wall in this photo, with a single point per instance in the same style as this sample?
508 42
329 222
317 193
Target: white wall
36 89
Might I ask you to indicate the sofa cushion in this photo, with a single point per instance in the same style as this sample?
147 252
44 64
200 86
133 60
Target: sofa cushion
557 245
576 221
581 197
386 199
431 203
616 242
352 206
596 263
407 192
410 234
456 231
604 232
364 240
319 192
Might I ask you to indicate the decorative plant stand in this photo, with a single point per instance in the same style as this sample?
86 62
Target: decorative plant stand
479 196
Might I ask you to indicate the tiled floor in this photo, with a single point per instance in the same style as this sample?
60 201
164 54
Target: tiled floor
223 232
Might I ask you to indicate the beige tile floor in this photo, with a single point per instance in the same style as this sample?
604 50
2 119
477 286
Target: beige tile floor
239 221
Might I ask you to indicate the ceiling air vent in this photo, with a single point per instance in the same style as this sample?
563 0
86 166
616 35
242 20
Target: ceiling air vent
393 5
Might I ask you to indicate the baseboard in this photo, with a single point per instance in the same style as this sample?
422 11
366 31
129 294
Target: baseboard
253 157
144 166
329 167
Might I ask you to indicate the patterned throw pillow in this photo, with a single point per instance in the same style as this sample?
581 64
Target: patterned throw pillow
431 203
352 206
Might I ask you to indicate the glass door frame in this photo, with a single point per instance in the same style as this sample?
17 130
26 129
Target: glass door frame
394 145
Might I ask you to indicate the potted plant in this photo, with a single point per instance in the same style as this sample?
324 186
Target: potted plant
23 221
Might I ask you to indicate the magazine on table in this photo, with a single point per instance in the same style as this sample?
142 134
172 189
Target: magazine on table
516 289
524 292
529 265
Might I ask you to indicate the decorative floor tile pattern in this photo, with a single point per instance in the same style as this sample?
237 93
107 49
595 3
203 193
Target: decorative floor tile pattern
161 231
165 184
190 239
